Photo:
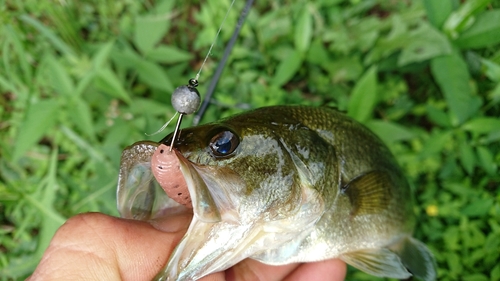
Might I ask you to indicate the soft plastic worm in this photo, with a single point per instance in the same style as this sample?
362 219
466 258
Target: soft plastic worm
166 169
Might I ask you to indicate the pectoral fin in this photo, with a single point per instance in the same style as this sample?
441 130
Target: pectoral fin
416 257
369 193
378 262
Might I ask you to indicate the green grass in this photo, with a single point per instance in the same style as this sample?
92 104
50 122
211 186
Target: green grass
81 80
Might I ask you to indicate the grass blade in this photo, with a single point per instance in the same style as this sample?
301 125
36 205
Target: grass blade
287 68
364 96
50 35
148 31
483 33
438 11
51 220
108 82
461 18
40 118
303 31
452 76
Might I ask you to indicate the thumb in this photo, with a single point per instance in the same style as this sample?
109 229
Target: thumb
94 246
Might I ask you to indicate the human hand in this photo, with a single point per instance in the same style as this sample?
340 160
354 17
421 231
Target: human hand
94 246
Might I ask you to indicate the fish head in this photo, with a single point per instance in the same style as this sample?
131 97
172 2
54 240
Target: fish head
248 190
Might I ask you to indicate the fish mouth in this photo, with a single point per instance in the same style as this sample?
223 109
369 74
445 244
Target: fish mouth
139 196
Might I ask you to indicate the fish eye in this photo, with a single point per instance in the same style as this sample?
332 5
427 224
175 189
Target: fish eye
224 143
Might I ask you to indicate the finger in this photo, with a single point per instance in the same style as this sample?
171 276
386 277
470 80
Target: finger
173 222
331 270
99 247
249 270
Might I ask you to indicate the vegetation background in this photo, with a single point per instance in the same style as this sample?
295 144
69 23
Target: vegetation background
80 80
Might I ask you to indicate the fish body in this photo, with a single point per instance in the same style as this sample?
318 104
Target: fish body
289 184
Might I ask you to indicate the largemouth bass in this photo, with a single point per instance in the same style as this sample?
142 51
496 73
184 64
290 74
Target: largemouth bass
280 185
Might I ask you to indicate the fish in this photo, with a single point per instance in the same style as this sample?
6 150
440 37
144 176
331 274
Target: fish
280 184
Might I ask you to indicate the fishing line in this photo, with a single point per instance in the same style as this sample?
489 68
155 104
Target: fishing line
183 98
190 97
186 99
213 42
222 63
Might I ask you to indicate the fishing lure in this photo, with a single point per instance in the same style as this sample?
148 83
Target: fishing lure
166 170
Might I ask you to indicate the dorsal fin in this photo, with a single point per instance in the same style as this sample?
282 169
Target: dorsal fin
368 193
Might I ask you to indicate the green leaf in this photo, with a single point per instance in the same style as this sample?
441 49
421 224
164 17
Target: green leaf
272 25
148 72
438 11
435 144
101 57
153 75
452 76
344 69
494 95
22 56
169 54
98 62
152 107
495 273
303 30
390 44
51 219
451 238
149 30
59 78
389 131
487 160
287 68
476 277
59 44
19 266
491 69
364 96
467 157
108 82
164 7
483 33
365 33
481 125
454 263
463 17
93 153
423 44
438 116
81 116
40 118
317 53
